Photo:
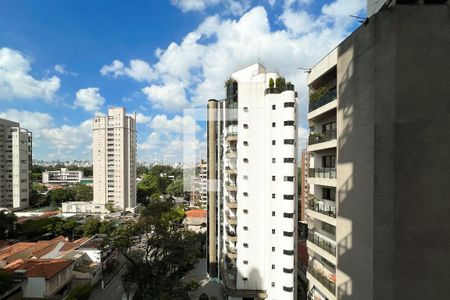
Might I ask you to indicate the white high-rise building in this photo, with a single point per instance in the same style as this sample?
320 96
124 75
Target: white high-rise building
252 175
114 158
15 164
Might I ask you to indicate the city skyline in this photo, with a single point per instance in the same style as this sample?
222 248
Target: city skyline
149 66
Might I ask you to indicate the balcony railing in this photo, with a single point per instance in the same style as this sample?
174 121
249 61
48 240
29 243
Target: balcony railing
327 98
322 243
231 153
320 137
322 173
325 209
323 279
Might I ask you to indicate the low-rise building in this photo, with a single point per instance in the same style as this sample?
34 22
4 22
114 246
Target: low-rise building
195 220
62 176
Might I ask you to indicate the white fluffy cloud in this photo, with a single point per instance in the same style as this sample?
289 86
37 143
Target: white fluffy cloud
234 7
59 69
50 141
16 81
170 95
142 119
89 99
138 70
176 125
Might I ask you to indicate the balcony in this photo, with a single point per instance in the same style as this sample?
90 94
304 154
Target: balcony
231 186
321 137
327 281
322 100
231 202
231 234
231 153
231 252
232 220
329 173
231 136
324 209
229 170
314 238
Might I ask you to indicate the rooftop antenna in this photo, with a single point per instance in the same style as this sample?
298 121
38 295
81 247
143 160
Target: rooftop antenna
306 70
361 20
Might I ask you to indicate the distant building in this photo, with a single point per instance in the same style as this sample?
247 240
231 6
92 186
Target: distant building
15 165
62 176
195 220
203 183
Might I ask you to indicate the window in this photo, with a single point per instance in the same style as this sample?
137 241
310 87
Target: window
329 161
273 124
273 196
245 160
288 252
289 123
329 194
245 245
288 215
288 233
328 228
273 142
288 178
245 194
273 160
245 177
288 271
245 108
273 214
245 211
288 160
329 127
273 267
273 284
245 262
289 141
245 278
245 228
273 231
273 178
273 249
289 104
274 107
245 143
288 197
287 289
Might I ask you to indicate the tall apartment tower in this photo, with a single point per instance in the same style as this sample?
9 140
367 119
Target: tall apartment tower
379 115
252 191
114 154
203 176
15 165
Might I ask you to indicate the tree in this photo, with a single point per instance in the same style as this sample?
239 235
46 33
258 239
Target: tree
107 227
84 193
271 83
67 227
91 226
110 207
160 252
175 188
56 197
7 224
151 184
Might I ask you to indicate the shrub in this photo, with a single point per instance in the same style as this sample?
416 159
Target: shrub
271 83
80 292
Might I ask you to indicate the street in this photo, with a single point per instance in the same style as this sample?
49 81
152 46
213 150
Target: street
113 290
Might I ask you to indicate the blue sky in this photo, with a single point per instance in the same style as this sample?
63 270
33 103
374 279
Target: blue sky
62 62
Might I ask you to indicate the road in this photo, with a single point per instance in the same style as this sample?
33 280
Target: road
113 291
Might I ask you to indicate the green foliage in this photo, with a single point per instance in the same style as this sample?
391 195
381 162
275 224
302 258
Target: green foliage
67 227
91 226
56 197
7 227
319 93
110 206
271 83
80 292
280 83
175 188
159 250
38 187
107 227
34 229
151 184
83 193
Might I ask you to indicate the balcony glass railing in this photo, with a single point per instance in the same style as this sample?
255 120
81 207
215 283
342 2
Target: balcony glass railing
322 208
322 173
327 98
320 137
327 282
321 242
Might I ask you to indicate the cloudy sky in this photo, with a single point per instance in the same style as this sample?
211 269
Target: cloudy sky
62 62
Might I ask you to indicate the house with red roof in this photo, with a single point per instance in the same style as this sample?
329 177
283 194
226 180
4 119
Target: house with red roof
195 220
46 278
